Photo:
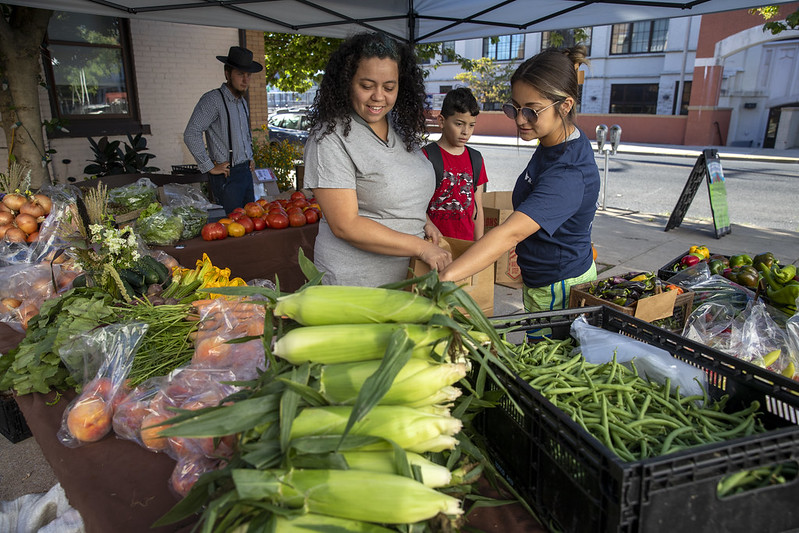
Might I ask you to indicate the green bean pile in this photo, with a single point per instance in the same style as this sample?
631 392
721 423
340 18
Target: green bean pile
633 417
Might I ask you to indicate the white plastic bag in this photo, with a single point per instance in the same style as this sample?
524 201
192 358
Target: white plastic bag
599 346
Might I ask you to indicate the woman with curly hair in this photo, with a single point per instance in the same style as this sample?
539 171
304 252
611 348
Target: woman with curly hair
365 167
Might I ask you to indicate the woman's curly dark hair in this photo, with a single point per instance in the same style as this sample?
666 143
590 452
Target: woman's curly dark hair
333 102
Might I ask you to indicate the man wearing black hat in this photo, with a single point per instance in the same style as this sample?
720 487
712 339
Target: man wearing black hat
222 114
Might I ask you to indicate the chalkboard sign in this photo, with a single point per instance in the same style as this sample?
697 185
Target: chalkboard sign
707 167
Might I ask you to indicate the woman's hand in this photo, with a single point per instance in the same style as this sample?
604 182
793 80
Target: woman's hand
435 256
432 233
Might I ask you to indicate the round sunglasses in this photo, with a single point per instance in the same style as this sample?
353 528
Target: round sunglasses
529 114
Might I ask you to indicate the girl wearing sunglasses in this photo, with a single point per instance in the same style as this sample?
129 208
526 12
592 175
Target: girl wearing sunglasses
555 198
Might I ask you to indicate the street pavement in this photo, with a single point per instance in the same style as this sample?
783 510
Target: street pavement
625 240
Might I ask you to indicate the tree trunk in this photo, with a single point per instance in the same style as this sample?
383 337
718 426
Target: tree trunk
22 30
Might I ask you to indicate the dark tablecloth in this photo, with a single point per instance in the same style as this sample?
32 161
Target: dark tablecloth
267 254
118 486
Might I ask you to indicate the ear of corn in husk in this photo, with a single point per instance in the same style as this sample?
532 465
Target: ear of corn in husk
314 523
433 475
331 304
411 428
346 343
418 382
352 494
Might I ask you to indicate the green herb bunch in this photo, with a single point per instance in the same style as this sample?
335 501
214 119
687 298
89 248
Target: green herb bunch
280 156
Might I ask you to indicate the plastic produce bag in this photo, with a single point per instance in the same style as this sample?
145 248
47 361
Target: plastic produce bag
134 407
134 196
599 346
185 388
162 228
179 194
24 287
223 320
193 219
751 335
88 418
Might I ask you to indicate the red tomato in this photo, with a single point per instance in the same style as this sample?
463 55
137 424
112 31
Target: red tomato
297 219
277 220
300 203
236 215
259 223
298 195
213 231
311 216
291 210
247 223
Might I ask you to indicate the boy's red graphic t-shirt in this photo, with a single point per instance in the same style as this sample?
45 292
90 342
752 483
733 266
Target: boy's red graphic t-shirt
452 207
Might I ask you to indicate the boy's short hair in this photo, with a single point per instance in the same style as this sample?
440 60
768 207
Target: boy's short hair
460 100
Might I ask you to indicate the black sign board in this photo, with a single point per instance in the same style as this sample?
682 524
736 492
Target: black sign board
707 167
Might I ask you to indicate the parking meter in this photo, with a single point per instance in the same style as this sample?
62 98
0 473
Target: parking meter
601 135
614 137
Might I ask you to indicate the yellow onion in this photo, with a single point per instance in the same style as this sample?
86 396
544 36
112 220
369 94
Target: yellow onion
15 235
32 208
14 201
6 218
44 201
27 223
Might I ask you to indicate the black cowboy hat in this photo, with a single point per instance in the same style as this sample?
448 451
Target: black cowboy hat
241 59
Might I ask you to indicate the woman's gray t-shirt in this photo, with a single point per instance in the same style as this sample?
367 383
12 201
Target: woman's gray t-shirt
393 187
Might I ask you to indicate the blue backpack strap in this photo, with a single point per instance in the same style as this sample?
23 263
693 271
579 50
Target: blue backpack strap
434 155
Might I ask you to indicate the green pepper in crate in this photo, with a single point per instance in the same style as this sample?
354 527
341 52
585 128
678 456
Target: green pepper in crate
783 275
747 276
740 260
782 295
716 266
765 259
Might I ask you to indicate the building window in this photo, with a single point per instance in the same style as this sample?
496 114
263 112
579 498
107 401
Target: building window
90 74
448 51
504 47
444 89
639 37
686 97
566 38
634 98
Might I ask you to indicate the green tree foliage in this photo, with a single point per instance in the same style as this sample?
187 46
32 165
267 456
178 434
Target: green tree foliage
295 62
776 26
489 80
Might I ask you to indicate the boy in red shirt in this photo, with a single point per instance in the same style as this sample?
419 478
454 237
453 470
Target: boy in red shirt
457 207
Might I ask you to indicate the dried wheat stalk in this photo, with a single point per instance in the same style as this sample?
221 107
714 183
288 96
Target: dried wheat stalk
18 178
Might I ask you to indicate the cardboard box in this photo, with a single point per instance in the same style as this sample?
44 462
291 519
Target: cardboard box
497 207
650 309
480 286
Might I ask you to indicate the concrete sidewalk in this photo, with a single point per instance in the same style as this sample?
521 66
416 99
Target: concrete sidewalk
790 155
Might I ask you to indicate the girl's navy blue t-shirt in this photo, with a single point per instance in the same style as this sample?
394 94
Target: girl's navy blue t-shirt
559 189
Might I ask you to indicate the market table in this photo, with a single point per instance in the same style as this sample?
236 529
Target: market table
265 254
118 486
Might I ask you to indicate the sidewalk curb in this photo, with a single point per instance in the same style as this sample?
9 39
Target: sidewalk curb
673 151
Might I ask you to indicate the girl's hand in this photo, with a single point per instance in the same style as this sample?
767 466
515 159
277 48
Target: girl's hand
432 233
435 256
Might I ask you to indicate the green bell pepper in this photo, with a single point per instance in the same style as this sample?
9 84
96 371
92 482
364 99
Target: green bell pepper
747 276
716 266
740 260
766 259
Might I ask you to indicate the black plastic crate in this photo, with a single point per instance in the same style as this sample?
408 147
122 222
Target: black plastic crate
185 169
578 485
667 270
12 423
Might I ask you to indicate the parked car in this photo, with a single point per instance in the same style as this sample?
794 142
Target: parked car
288 126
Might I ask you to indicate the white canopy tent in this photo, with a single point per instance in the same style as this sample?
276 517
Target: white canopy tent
410 20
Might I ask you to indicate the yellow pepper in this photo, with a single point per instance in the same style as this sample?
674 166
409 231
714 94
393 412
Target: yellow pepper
703 250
